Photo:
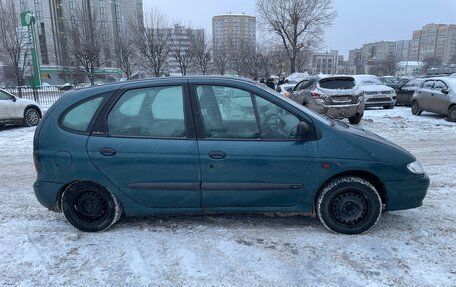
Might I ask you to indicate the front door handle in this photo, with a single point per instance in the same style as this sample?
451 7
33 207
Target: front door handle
217 154
108 151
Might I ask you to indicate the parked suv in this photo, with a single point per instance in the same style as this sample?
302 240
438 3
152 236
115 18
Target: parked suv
213 145
336 96
437 95
18 111
376 94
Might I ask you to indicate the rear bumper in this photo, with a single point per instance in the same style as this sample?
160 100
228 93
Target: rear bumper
406 194
339 111
47 193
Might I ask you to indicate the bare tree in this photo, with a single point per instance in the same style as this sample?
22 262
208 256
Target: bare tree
125 56
202 52
152 41
85 42
221 59
238 56
387 66
181 48
296 22
14 42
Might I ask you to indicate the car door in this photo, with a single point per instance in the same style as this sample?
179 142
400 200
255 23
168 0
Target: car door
441 101
405 93
6 106
249 150
425 95
145 147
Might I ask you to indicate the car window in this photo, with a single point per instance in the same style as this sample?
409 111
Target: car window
79 117
233 113
428 84
151 112
5 96
411 84
439 85
333 83
307 84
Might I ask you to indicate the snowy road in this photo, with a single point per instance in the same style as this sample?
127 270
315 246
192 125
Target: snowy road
407 248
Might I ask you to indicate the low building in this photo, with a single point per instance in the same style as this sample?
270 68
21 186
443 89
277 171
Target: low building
409 68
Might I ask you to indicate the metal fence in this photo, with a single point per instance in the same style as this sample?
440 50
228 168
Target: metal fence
45 95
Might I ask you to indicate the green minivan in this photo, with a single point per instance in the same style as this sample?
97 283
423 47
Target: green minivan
213 145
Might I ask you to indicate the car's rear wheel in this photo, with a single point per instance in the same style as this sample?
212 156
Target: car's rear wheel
349 205
32 117
90 207
416 110
452 114
356 119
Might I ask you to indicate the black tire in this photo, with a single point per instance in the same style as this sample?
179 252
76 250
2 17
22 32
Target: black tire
388 107
356 119
90 207
416 109
31 117
349 205
452 114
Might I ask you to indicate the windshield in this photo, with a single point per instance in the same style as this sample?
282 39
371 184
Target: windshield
323 119
368 80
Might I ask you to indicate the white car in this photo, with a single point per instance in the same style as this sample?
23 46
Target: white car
376 94
18 111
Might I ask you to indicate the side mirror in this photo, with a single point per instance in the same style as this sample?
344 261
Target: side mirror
303 130
445 91
13 99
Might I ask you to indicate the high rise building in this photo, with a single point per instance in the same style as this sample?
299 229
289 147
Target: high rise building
54 16
403 50
233 32
434 41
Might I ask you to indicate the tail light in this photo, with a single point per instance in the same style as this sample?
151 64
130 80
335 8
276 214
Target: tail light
315 95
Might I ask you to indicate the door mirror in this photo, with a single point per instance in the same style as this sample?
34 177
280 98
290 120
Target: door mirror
13 98
445 91
303 130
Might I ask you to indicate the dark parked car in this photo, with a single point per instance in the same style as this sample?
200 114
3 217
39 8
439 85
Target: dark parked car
405 93
18 111
437 95
213 145
335 96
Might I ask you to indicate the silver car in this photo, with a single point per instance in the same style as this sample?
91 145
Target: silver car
18 111
437 95
376 94
335 96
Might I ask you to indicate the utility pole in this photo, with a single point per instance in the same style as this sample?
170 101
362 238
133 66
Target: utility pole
28 20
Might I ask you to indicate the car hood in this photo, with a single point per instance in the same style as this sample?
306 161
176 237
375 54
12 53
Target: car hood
358 144
375 88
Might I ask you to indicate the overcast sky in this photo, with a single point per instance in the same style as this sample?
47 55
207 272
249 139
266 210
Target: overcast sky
358 21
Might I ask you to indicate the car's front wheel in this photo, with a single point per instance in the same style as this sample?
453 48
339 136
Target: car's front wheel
452 114
416 110
32 117
90 207
348 205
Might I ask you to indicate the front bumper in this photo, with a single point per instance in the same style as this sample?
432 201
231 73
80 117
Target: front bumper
406 194
47 193
379 100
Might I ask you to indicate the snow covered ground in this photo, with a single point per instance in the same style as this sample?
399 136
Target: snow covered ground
407 248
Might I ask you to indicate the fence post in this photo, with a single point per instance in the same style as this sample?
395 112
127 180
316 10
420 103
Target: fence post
19 92
35 94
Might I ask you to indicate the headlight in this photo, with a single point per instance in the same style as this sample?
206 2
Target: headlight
415 167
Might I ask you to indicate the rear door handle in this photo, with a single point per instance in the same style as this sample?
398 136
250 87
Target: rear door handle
217 154
108 151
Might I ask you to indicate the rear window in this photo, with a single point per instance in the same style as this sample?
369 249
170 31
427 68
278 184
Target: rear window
334 84
80 116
